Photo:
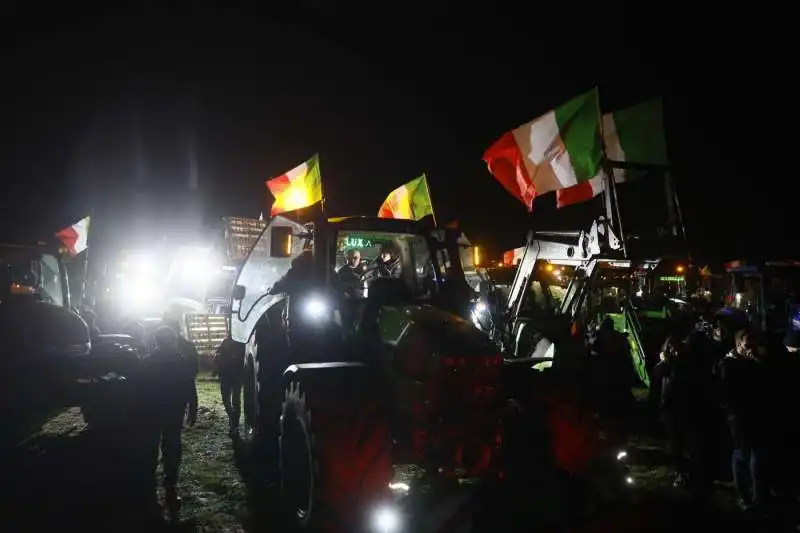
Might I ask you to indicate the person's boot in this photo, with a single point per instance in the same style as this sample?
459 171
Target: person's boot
173 503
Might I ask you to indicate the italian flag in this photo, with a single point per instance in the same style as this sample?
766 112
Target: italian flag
560 149
75 237
635 135
411 201
298 188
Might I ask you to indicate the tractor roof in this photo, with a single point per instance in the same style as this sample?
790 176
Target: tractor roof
389 225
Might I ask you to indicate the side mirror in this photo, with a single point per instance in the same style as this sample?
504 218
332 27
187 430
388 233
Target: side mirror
239 292
280 241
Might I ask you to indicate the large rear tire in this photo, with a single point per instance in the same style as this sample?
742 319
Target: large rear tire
335 452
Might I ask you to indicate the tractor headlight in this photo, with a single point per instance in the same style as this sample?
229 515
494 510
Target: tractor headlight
480 307
316 308
386 520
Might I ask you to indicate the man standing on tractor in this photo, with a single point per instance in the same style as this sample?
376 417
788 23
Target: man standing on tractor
167 393
229 362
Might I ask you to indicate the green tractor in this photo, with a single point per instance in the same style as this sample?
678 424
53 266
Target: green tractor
365 394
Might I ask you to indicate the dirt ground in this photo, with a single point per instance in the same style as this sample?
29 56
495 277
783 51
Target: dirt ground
64 477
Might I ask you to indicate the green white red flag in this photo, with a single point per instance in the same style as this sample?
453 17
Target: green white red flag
633 135
300 187
76 237
559 149
411 201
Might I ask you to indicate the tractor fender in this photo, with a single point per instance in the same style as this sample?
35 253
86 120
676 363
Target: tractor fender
302 370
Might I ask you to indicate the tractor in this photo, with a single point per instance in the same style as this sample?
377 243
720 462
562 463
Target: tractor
47 359
365 400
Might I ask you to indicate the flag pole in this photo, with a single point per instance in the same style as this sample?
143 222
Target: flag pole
321 186
428 188
678 212
89 233
609 187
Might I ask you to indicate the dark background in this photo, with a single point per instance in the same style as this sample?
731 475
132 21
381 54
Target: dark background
383 92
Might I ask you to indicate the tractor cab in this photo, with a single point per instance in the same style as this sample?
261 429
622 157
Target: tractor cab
567 282
355 266
767 292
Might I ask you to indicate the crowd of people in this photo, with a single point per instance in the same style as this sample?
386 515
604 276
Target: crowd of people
731 387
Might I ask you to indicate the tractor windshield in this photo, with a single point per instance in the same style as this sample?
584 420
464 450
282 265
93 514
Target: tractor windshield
30 272
363 256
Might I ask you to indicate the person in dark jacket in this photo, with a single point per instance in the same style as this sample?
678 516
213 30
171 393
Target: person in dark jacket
683 380
742 395
783 366
613 370
350 275
185 347
229 360
167 394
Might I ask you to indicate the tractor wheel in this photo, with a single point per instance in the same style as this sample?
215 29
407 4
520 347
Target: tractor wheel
335 453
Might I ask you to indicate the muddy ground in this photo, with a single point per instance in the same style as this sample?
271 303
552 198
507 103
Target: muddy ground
66 478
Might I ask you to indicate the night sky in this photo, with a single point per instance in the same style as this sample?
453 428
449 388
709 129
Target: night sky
382 96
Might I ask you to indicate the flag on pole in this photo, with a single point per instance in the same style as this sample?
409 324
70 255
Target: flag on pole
411 201
298 188
632 135
560 149
75 237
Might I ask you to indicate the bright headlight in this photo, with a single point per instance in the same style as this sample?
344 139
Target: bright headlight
316 308
480 307
387 520
137 293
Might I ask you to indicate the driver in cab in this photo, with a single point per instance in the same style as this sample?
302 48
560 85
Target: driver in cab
350 274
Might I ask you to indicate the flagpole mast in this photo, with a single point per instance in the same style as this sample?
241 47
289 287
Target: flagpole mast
428 188
678 212
321 188
609 188
86 259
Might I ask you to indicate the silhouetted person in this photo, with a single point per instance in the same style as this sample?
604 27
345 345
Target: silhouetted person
685 404
783 367
229 361
167 393
742 397
613 370
185 347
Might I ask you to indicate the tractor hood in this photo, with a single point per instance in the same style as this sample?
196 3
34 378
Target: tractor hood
29 326
445 333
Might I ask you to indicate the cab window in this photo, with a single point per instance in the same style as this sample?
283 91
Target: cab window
363 257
